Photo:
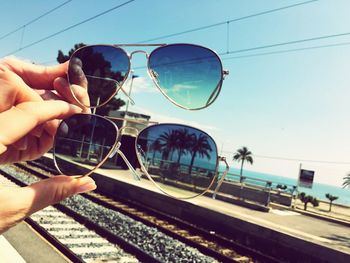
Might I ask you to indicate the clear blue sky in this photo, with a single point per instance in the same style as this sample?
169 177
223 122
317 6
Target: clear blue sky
285 105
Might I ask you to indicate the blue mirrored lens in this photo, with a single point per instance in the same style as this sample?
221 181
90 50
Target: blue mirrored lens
181 160
189 75
97 71
82 142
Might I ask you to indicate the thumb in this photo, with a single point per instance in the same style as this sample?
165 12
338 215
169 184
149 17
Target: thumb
55 189
19 203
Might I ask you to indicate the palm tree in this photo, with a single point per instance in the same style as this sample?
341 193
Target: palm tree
200 146
243 155
308 199
346 182
168 141
183 143
331 198
155 147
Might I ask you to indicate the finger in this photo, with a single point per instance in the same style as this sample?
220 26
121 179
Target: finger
27 148
21 144
51 127
36 76
10 155
45 144
22 119
37 147
62 87
76 73
14 90
81 94
48 95
37 131
19 203
55 189
80 98
3 149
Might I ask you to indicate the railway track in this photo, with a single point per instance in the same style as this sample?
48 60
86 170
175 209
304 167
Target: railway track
213 245
75 237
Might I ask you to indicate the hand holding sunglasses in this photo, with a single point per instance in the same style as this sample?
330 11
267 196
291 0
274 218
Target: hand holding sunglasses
180 160
188 75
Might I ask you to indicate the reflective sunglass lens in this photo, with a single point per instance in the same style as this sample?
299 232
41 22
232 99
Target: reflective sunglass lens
181 160
96 72
190 75
82 142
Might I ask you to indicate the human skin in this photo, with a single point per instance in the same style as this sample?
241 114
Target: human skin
32 101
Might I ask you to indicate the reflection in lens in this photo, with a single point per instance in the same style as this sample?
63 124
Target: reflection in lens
189 75
99 69
82 142
180 159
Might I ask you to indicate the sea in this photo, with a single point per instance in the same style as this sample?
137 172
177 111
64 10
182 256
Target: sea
318 190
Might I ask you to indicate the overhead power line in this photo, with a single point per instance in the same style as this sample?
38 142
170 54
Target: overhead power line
278 51
287 43
227 21
338 44
179 33
70 27
34 20
286 50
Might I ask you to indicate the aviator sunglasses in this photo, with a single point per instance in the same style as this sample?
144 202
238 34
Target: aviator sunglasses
188 75
180 160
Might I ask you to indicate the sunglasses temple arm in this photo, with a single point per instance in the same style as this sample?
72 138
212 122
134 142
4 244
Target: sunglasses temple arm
213 94
223 176
119 87
126 94
135 174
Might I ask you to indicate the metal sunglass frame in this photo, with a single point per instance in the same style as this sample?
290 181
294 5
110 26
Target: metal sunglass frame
115 149
150 73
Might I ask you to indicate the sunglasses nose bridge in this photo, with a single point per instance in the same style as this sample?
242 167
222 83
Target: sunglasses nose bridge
139 51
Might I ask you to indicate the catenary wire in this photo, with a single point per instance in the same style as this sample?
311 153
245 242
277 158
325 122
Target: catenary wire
271 52
70 27
286 50
339 44
298 41
183 32
227 22
34 20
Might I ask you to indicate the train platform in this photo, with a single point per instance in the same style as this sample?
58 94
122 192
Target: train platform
280 232
283 228
22 244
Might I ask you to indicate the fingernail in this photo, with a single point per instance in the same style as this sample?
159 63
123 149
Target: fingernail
86 184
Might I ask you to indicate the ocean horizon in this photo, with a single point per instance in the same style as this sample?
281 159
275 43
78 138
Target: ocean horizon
318 190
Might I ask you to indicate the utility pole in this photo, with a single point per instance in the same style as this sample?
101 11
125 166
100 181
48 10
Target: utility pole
130 88
296 189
